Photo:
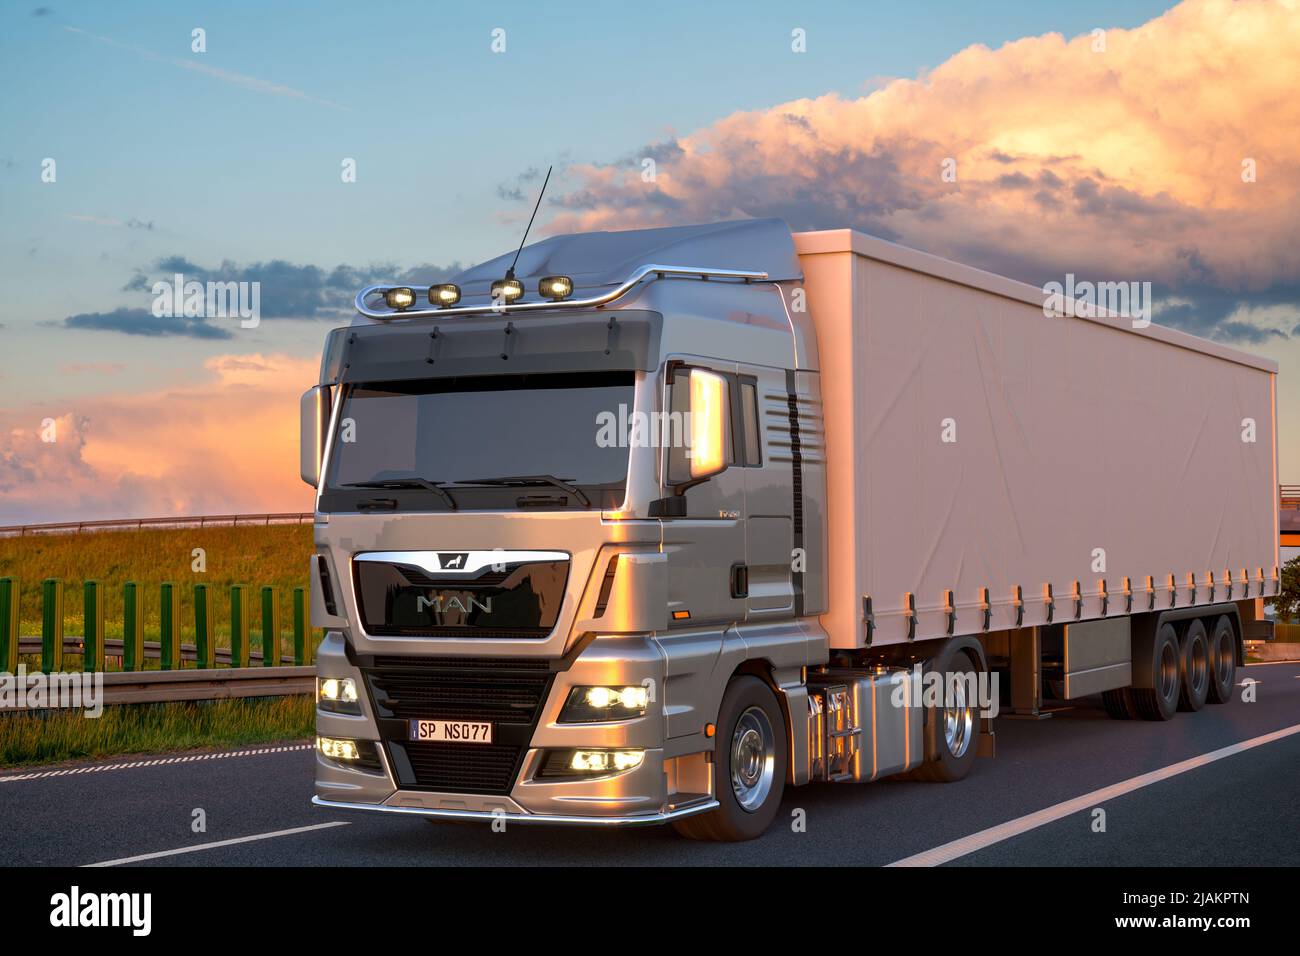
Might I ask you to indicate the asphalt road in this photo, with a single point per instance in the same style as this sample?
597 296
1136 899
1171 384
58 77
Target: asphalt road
1239 810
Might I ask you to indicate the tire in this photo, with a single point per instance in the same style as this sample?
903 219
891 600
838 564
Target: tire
1119 703
749 766
951 733
1223 660
1161 701
1194 664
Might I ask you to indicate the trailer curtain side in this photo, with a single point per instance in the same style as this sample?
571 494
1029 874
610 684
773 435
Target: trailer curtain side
975 443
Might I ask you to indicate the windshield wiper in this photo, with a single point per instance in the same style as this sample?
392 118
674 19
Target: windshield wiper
412 482
532 480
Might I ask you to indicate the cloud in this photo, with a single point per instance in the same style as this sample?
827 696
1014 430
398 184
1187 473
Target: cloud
225 444
225 76
286 290
1122 164
131 223
144 322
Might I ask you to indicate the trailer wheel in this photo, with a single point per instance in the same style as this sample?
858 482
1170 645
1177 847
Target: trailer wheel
749 766
951 731
1160 702
1194 651
1119 703
1223 661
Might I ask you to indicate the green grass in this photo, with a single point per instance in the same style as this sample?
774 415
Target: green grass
51 736
275 554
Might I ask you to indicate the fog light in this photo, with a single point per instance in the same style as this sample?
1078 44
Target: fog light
444 296
338 694
507 290
605 761
400 298
587 704
556 287
590 763
337 749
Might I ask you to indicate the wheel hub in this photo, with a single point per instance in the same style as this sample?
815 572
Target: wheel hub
753 759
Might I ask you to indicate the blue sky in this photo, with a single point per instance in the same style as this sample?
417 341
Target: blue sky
167 157
210 169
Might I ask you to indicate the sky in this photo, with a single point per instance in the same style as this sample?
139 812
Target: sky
1113 155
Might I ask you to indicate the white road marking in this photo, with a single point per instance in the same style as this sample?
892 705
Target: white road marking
218 843
1005 831
156 762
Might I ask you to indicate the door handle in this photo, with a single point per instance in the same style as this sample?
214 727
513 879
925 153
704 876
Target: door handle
739 581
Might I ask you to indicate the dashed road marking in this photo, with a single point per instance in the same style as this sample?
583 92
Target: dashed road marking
155 762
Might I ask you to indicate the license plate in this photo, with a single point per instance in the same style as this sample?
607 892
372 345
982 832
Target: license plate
451 731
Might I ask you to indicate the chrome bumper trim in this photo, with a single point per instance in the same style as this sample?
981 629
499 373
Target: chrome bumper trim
640 819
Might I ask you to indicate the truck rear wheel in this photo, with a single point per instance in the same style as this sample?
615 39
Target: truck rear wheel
1223 660
951 730
1194 651
749 766
1160 701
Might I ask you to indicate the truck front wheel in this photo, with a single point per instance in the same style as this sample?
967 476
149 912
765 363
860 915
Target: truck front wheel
749 766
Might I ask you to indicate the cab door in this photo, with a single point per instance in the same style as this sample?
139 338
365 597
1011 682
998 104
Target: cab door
703 520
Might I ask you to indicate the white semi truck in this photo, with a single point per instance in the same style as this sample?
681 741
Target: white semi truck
649 526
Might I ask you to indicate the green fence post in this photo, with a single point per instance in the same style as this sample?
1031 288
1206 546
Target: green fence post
204 652
169 618
301 633
239 625
132 627
51 625
9 625
92 654
270 626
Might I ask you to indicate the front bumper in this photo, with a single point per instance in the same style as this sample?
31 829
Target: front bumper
654 792
519 816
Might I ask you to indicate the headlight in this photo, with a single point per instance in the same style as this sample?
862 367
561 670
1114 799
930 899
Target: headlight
445 295
556 287
591 704
507 290
590 763
400 298
337 694
337 749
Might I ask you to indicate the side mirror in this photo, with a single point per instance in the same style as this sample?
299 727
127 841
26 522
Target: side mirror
710 424
313 422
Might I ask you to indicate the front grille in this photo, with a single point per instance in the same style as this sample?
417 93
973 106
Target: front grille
510 694
519 602
463 768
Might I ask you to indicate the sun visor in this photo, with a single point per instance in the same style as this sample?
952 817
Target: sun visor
612 340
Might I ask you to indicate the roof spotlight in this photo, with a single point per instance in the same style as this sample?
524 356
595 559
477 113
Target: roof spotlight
507 290
400 298
444 296
556 287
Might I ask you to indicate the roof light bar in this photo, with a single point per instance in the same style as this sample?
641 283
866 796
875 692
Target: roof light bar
647 271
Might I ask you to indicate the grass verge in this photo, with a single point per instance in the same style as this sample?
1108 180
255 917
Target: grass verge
55 735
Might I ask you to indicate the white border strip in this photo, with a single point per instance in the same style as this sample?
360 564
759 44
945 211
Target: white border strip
1005 831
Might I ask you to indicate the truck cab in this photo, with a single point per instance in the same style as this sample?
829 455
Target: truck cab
569 543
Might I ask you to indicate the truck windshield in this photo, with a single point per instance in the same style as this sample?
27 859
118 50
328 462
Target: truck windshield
481 442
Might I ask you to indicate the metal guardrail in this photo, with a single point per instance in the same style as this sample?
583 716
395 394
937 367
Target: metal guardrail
150 687
113 647
140 524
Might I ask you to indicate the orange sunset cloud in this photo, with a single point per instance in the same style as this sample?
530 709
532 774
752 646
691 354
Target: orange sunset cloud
227 443
1168 151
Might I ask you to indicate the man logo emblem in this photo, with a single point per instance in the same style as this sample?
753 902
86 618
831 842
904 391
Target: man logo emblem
449 561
